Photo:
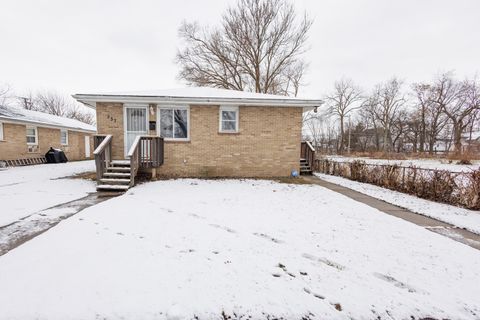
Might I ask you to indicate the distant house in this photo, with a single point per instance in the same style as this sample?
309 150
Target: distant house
195 132
471 142
25 136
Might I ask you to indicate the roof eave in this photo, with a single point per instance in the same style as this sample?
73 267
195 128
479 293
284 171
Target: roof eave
91 100
43 124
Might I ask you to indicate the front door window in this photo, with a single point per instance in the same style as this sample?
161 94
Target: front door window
136 125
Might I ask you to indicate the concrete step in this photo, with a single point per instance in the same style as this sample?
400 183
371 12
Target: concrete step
116 175
112 187
116 181
118 169
120 163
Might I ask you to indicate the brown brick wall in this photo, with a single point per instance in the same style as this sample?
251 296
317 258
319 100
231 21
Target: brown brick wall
110 121
14 145
267 145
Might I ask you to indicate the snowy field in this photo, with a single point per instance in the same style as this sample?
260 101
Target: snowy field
184 248
460 217
440 164
29 189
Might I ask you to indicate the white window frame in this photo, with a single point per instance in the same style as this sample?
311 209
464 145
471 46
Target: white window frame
66 137
36 135
173 107
1 131
220 120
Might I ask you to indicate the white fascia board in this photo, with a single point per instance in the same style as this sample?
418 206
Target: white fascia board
91 101
43 125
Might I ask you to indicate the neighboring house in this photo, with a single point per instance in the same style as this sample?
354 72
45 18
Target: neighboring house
205 131
26 135
471 142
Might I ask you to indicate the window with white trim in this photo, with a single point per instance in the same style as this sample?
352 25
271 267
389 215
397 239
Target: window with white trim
174 122
1 131
228 119
64 137
32 136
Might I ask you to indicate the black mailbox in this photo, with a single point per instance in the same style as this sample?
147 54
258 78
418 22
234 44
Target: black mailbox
152 125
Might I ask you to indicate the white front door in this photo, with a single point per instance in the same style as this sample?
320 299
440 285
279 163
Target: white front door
136 124
87 146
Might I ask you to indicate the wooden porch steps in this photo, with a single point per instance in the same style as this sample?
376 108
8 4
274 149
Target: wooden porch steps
116 177
115 181
112 187
305 168
307 158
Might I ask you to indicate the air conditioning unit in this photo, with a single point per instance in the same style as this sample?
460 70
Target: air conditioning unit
33 149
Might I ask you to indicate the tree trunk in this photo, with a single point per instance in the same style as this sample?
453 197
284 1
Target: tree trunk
422 132
457 137
342 135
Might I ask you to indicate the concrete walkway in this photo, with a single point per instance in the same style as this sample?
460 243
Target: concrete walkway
461 235
27 228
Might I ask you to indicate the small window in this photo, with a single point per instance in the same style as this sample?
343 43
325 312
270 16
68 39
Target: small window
1 131
174 123
228 119
32 137
64 137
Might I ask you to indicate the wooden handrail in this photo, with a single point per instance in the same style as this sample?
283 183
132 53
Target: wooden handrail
145 152
134 146
103 156
307 152
310 146
103 144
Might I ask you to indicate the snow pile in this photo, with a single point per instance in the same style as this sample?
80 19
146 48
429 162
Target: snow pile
420 163
26 190
460 217
184 248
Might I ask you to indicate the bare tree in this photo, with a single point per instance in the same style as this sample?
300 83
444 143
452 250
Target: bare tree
422 93
258 47
388 101
430 102
54 103
344 99
459 101
27 101
77 112
4 94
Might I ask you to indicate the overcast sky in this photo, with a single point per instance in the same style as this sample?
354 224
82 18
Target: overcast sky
111 45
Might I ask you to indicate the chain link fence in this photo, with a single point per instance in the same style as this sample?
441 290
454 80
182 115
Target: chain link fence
455 188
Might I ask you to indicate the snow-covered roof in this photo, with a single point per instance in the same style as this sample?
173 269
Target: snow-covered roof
198 95
40 118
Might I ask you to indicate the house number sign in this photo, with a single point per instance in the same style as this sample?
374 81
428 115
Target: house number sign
112 119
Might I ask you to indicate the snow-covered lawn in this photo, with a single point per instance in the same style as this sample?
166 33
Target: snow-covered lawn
184 248
440 164
26 190
460 217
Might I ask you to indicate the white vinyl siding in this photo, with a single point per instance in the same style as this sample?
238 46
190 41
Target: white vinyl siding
32 135
64 137
228 119
174 123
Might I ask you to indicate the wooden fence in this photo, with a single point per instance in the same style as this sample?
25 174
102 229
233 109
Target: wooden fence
455 188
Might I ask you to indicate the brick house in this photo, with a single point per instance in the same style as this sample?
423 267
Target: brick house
26 135
196 132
